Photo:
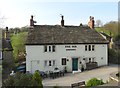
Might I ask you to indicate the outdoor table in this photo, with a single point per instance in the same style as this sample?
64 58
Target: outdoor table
56 73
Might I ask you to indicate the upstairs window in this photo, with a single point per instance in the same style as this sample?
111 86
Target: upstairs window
93 47
53 48
89 47
45 48
85 47
49 48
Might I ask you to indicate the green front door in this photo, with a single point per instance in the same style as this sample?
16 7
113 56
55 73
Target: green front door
74 64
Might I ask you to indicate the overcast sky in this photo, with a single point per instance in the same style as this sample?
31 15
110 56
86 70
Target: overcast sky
17 12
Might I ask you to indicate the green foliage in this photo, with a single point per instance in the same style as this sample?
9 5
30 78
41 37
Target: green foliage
37 78
113 56
18 43
20 79
117 37
102 29
110 27
94 82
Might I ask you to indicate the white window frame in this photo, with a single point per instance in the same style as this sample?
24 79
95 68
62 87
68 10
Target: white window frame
90 47
47 64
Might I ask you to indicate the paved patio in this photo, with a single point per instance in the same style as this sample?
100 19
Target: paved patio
69 78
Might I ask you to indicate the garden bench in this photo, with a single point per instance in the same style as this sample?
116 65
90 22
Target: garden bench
78 85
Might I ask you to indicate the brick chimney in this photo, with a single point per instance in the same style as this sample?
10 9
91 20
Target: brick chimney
6 33
62 21
31 21
91 22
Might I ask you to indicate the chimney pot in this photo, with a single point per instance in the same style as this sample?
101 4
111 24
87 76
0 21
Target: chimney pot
31 21
6 28
62 21
6 33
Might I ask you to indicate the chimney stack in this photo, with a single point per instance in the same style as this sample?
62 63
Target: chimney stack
91 22
31 21
6 34
62 21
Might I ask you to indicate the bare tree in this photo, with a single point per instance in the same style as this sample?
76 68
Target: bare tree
99 23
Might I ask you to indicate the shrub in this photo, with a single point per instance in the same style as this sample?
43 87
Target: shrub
94 82
38 79
23 80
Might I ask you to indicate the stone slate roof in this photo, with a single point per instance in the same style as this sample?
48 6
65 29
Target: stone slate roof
6 45
55 34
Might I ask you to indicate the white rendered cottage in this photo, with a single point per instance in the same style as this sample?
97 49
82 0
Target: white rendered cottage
51 46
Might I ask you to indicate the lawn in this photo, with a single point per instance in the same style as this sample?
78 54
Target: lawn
18 42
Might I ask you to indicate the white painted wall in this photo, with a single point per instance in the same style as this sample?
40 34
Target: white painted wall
36 56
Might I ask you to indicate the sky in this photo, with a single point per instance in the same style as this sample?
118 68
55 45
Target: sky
16 13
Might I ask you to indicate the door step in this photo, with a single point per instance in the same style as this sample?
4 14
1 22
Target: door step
76 71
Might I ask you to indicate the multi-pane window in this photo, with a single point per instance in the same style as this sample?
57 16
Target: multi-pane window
89 47
90 59
49 48
63 61
49 63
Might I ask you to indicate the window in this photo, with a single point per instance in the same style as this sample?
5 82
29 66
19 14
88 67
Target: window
53 62
45 63
85 47
53 48
45 48
89 47
49 63
74 46
63 61
93 47
49 48
67 46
